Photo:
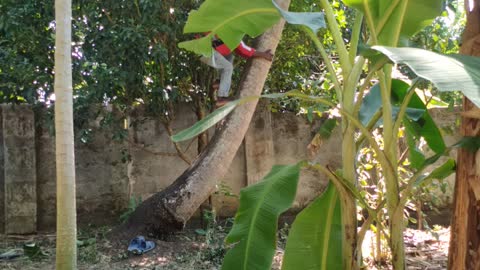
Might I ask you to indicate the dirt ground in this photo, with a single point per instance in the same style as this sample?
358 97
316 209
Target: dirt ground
195 249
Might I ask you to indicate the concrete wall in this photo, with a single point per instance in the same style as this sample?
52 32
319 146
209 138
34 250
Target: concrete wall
105 184
101 177
271 139
19 174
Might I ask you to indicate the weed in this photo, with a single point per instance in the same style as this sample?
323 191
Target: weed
121 256
223 189
33 251
87 251
87 243
213 249
283 235
133 203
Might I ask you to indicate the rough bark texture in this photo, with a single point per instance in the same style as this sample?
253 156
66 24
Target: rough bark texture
172 208
464 250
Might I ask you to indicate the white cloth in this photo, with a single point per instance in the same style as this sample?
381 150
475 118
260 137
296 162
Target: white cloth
225 66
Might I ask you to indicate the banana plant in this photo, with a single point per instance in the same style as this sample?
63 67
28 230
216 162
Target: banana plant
389 24
255 228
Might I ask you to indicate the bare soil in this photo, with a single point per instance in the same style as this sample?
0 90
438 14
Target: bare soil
202 249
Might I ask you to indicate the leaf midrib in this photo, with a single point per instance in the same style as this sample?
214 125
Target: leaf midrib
387 16
328 228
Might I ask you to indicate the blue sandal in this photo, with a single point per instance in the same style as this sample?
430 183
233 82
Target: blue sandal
138 245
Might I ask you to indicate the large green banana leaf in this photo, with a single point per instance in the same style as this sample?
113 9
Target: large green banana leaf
424 127
230 21
448 72
312 20
441 172
394 20
207 122
418 122
372 102
216 116
315 240
255 227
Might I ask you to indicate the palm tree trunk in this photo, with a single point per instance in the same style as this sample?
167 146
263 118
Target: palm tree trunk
172 208
66 257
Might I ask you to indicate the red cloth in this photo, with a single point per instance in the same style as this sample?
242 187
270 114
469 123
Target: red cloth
242 50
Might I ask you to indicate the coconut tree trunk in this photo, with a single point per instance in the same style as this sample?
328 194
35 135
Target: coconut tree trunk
65 163
172 208
464 252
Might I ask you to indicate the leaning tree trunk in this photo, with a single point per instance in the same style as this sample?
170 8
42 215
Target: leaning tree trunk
171 208
65 162
464 250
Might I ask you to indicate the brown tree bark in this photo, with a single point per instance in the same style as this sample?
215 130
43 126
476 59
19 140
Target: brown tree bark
171 208
464 252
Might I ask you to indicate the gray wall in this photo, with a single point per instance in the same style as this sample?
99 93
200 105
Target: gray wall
105 184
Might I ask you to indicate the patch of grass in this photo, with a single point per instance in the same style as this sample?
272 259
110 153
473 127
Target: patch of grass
87 243
213 248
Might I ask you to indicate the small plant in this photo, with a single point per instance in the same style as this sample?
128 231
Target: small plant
87 250
213 249
120 256
225 190
33 251
283 235
214 234
87 240
133 203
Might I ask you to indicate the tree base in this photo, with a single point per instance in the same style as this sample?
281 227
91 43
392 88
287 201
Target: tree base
150 218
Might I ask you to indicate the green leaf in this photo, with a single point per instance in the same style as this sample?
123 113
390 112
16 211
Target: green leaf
230 21
388 16
439 173
213 118
418 122
312 20
472 144
315 240
327 128
255 227
415 155
425 125
310 114
86 242
448 72
33 251
372 102
274 95
207 122
202 46
433 159
201 232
